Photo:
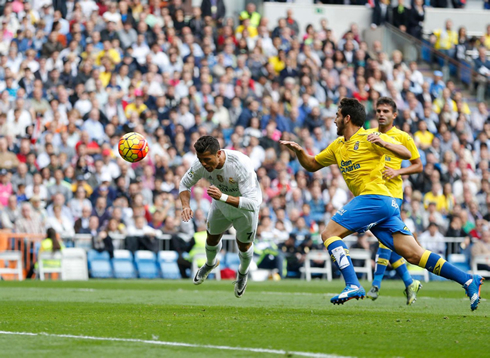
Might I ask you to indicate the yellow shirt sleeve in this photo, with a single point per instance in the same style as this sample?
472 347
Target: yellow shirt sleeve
409 143
98 58
381 150
327 156
455 37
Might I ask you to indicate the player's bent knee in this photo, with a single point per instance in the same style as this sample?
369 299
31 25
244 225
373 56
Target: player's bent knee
334 229
407 247
414 259
213 240
243 247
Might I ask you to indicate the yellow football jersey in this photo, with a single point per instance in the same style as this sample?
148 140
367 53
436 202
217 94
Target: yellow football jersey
360 162
395 185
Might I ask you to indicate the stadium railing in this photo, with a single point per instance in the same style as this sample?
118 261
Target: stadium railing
28 244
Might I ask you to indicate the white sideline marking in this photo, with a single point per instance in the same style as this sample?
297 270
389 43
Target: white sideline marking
176 344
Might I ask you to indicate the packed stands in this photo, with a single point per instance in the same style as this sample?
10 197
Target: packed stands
75 76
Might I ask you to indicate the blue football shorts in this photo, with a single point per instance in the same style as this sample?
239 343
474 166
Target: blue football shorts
378 213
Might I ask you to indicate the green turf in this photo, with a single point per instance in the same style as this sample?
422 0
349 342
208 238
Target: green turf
286 315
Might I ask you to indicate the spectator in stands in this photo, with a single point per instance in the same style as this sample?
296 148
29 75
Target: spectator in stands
62 224
8 160
435 196
103 242
446 39
59 199
440 102
401 16
141 236
433 240
27 222
215 9
250 13
21 176
10 213
198 202
101 211
60 186
485 39
423 137
478 118
6 188
381 13
416 19
432 215
82 223
482 63
116 230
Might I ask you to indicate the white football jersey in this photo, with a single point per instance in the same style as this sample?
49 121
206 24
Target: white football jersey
237 178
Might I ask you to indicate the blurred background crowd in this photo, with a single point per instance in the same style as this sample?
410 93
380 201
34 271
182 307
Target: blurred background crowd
76 75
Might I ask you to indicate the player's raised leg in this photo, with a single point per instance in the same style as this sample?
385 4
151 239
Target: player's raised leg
245 253
212 249
217 225
332 239
406 246
385 256
412 286
395 235
246 227
382 259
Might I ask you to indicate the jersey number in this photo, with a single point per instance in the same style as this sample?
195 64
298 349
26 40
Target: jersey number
250 234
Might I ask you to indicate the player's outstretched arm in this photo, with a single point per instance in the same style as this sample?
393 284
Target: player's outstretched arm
307 161
415 168
185 198
398 150
190 178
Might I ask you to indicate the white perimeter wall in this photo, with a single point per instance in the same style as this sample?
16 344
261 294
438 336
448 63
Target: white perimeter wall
341 16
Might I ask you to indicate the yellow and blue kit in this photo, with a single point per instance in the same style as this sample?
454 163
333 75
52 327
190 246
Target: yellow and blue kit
395 186
361 164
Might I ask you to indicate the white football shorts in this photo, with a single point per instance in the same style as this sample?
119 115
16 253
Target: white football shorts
222 218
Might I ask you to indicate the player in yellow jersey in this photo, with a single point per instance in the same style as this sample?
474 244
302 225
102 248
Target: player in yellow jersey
386 112
360 157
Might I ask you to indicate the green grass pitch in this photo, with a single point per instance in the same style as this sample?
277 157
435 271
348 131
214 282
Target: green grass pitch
289 316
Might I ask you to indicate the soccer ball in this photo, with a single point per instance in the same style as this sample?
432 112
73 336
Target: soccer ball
133 147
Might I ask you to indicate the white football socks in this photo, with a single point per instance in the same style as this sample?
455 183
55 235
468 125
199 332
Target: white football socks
245 260
211 253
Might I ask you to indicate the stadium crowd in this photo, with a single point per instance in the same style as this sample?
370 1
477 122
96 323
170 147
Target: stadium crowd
74 78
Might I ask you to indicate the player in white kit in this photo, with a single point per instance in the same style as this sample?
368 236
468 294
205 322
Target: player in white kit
236 201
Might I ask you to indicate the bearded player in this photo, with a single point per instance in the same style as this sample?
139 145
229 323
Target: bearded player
360 157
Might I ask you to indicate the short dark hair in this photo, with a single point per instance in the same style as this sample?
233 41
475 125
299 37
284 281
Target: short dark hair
207 144
353 108
388 101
